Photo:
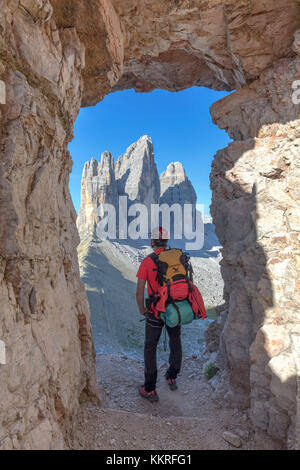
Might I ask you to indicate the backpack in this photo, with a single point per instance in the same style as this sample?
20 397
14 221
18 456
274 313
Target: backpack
172 265
174 268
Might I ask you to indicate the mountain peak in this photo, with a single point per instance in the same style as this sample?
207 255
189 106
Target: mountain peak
175 170
136 172
134 175
175 187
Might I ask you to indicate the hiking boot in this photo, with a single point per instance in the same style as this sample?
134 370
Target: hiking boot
150 396
172 384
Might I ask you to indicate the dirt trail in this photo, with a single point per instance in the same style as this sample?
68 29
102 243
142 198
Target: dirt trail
185 419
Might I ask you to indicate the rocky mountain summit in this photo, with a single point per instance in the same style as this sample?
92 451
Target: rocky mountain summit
175 187
134 175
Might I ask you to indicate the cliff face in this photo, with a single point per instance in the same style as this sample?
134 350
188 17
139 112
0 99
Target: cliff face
57 56
136 173
98 186
175 187
255 183
135 176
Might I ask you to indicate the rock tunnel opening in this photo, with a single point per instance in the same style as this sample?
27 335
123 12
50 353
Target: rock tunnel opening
182 131
242 344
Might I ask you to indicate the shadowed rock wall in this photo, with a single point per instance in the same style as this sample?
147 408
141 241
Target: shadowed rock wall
255 207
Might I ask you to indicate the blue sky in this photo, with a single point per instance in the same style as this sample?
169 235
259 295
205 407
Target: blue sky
179 125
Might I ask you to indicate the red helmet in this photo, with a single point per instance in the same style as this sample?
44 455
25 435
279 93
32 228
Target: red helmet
159 233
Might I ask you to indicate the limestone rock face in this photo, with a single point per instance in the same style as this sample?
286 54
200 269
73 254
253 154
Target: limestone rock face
135 176
136 173
255 183
98 186
44 317
174 44
296 44
175 187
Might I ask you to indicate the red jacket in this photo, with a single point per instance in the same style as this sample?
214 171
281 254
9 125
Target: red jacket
179 291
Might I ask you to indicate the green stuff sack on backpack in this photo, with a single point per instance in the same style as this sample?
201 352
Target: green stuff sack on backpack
178 313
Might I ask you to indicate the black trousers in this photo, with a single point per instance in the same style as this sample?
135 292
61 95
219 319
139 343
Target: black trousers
152 334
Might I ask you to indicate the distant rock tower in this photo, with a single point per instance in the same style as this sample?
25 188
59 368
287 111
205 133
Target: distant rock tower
98 186
134 175
176 188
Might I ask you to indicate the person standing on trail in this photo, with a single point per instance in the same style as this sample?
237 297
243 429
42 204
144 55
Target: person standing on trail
147 274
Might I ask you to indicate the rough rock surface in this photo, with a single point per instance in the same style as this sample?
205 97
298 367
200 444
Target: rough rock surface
98 186
44 318
175 44
136 173
58 55
255 183
175 187
128 422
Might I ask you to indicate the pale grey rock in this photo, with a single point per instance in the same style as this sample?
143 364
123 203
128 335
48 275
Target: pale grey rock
243 433
278 421
136 173
46 83
232 439
98 187
214 382
2 92
90 168
296 44
213 333
175 187
107 188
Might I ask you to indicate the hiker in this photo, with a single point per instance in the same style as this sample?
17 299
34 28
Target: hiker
154 326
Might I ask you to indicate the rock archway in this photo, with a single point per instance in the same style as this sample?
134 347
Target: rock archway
59 55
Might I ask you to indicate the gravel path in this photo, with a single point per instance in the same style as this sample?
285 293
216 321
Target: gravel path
185 419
